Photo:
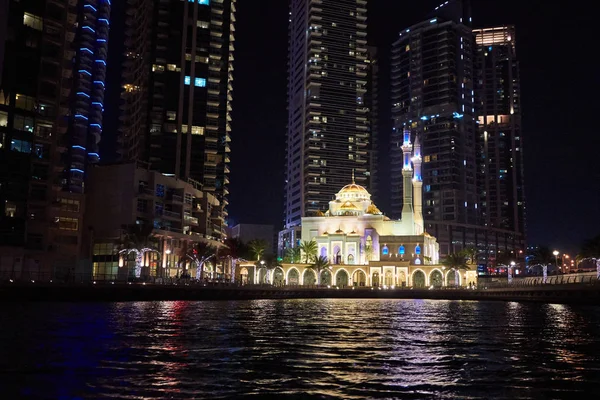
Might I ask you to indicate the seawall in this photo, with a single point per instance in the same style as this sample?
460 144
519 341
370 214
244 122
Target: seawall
567 294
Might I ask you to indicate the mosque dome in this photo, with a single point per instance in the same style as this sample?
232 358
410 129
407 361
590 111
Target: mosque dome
353 192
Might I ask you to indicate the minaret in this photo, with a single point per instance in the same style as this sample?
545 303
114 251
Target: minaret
407 207
418 188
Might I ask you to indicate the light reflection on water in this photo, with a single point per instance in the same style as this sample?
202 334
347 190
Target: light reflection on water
330 349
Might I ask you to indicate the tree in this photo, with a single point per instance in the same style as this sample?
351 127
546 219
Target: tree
137 239
456 262
293 255
235 251
199 254
319 264
257 248
471 254
309 249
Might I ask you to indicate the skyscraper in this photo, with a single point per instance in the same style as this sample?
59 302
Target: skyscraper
328 119
51 104
500 139
440 78
433 98
177 90
372 103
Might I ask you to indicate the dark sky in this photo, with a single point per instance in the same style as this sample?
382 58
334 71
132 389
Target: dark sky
559 89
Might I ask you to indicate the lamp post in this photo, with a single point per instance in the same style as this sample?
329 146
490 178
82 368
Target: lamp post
556 253
262 264
510 269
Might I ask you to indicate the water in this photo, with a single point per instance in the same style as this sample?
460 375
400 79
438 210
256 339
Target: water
299 349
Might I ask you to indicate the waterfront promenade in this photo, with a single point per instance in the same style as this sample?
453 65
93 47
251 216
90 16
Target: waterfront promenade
583 293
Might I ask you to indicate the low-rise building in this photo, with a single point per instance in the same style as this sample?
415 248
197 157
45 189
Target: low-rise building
180 213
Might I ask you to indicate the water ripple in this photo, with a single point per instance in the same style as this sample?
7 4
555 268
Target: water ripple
299 349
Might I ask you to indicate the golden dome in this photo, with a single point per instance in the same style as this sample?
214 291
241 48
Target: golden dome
372 209
354 189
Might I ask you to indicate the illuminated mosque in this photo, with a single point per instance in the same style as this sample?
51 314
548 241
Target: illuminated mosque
366 248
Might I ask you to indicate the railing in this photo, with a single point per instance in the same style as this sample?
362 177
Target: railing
175 198
590 278
171 214
191 220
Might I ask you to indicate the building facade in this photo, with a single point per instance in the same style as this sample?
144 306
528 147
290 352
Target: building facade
328 119
501 176
436 78
180 213
51 105
177 90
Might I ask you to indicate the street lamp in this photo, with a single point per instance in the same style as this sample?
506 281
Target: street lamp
556 253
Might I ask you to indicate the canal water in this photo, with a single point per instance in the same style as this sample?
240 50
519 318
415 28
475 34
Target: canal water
299 349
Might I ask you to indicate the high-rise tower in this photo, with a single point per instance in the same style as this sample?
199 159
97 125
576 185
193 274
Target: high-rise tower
433 96
328 129
177 90
500 138
51 105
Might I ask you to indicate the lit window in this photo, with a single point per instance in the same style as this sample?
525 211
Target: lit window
3 118
203 24
24 102
407 48
10 209
158 68
198 82
418 250
203 2
67 223
21 146
385 250
172 67
171 115
401 250
196 130
23 123
69 205
33 21
427 159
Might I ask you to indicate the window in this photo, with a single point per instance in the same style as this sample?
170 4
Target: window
24 102
418 250
67 223
69 205
198 82
160 190
10 209
172 67
385 251
23 123
203 24
189 199
203 2
3 118
33 21
171 115
22 146
401 250
159 208
196 130
158 68
142 205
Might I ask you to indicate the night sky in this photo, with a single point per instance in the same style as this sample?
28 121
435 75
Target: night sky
559 90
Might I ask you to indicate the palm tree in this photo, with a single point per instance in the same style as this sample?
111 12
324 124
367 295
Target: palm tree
137 240
271 262
257 248
456 262
309 249
199 254
293 255
471 254
235 251
319 264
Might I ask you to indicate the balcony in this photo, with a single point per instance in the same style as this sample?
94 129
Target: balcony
175 198
171 214
146 192
191 220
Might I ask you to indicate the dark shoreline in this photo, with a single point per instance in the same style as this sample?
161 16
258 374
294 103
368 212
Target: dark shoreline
567 294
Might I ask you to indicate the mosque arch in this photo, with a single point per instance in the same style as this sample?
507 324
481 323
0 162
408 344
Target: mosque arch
419 279
359 278
262 275
293 276
326 277
309 277
341 278
244 276
278 276
436 278
450 278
